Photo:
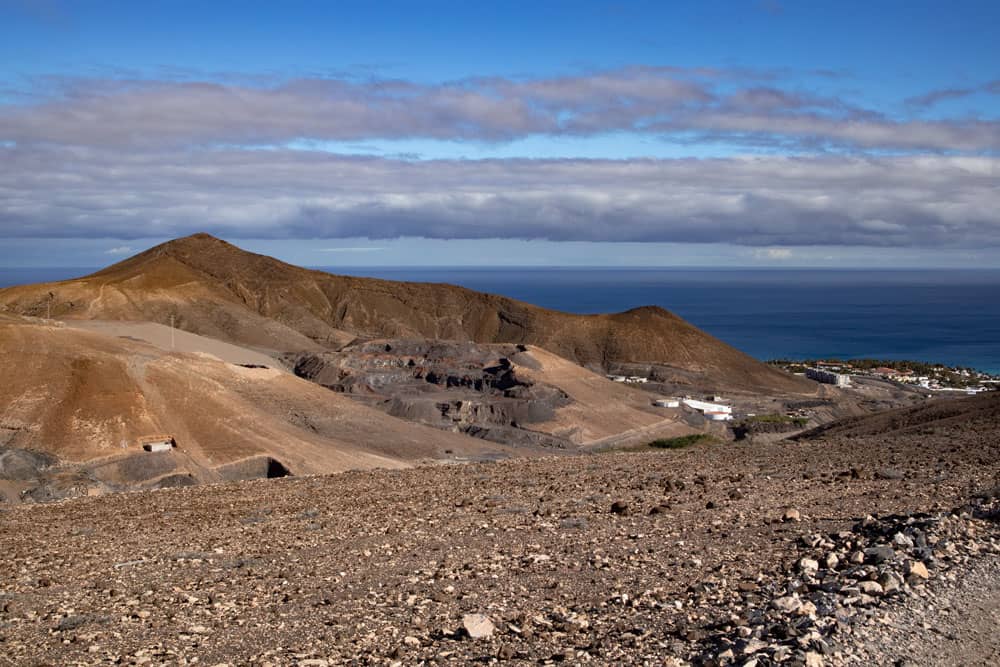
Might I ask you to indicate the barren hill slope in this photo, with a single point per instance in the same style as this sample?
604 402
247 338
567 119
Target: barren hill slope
87 400
979 413
216 289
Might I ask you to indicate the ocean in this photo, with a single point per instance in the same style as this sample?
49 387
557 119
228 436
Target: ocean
947 316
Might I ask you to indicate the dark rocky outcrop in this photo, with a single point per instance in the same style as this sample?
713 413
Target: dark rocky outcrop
465 387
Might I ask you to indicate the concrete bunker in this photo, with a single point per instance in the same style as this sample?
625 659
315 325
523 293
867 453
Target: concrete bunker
157 443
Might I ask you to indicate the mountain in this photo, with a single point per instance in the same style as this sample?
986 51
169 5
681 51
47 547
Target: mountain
212 288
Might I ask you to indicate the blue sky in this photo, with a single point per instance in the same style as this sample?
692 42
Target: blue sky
706 133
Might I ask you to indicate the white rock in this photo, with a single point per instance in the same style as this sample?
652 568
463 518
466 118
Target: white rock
870 587
814 659
478 626
902 541
786 604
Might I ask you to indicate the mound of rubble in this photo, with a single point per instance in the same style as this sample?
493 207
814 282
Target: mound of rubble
839 583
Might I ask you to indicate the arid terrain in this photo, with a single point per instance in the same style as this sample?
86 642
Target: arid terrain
461 483
212 288
820 551
250 367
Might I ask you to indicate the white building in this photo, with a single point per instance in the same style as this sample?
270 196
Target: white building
706 407
828 377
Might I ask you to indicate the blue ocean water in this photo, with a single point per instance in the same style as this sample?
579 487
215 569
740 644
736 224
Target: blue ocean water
947 316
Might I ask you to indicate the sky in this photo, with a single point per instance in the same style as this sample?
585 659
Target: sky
736 133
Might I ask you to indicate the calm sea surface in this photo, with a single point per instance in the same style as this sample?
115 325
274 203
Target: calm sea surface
949 316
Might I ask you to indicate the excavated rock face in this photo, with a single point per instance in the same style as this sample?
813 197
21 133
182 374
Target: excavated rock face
465 387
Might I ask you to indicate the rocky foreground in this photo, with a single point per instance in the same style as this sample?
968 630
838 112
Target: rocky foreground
873 550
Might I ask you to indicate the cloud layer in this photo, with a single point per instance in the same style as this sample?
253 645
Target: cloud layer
131 159
929 201
738 107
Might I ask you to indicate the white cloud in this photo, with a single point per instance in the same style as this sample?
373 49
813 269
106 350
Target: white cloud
120 250
721 105
357 249
773 253
765 202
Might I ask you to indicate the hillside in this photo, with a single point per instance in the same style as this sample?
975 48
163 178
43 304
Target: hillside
75 406
977 414
213 288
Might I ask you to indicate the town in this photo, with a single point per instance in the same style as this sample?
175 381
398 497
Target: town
936 377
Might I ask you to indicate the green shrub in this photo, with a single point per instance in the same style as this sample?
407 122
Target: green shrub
679 442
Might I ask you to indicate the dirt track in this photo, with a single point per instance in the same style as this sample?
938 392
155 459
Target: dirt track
166 338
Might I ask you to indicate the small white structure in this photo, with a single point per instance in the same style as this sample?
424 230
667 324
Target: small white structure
718 416
635 379
157 443
667 403
706 407
617 378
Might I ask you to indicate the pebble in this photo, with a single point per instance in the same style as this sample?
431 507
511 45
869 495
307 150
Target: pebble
870 588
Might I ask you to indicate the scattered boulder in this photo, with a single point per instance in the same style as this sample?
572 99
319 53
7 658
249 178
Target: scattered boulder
478 626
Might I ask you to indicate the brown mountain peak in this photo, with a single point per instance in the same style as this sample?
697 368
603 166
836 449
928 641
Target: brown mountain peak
216 289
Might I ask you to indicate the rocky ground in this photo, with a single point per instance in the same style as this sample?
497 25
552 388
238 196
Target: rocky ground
870 550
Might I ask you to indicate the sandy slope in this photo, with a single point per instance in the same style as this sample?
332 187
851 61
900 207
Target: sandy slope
601 409
86 396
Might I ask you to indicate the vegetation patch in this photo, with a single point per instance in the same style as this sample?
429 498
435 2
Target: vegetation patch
680 442
777 419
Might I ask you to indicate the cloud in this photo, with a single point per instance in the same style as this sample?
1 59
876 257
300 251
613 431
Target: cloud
934 97
120 250
128 158
762 202
773 253
658 101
